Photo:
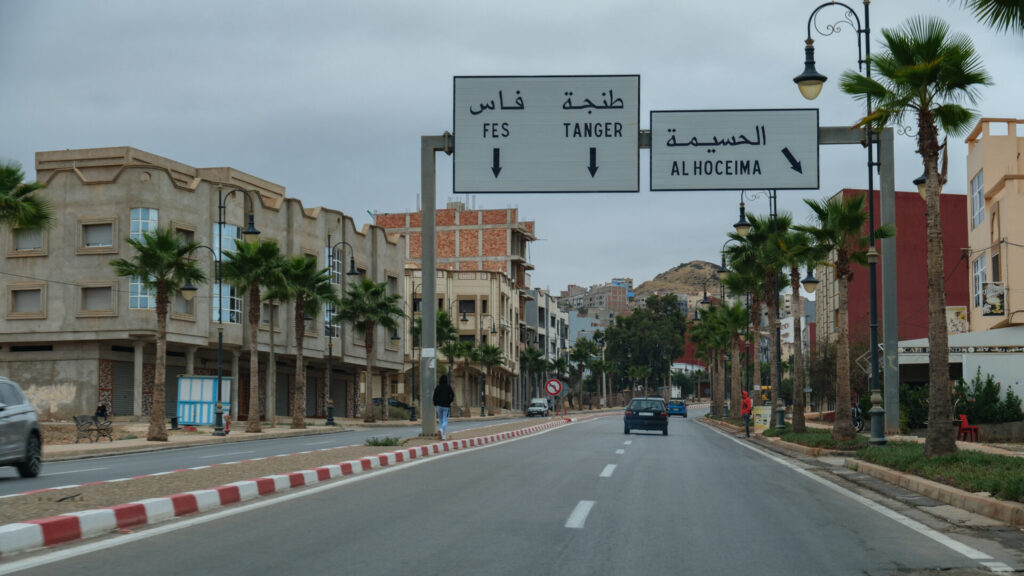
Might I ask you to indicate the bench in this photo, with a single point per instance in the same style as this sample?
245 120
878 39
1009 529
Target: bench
93 428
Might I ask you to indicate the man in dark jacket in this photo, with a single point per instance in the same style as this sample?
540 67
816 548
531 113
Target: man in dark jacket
443 396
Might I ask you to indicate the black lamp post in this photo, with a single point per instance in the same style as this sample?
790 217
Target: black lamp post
330 321
810 83
483 372
249 234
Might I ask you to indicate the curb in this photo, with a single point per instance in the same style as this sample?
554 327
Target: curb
43 532
1007 512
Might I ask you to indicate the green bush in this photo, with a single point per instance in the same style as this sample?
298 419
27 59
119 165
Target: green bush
980 401
386 441
1000 476
913 405
817 439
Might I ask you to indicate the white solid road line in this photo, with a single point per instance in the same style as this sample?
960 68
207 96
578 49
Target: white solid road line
914 525
229 454
73 471
579 515
608 471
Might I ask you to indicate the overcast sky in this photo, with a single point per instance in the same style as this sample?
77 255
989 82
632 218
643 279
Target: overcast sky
330 98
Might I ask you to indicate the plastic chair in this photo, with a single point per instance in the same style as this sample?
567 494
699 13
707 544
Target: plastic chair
966 431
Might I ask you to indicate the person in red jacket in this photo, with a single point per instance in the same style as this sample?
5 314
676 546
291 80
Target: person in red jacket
746 406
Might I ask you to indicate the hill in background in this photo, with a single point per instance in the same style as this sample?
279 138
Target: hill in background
688 278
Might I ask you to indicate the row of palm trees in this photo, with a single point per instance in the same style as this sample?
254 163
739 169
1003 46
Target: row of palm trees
259 272
583 357
923 75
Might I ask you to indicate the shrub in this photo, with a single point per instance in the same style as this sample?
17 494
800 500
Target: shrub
386 441
980 401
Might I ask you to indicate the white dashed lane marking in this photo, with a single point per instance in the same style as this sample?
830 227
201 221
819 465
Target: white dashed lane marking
579 515
608 471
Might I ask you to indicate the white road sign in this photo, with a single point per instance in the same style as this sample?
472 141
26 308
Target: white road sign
734 149
547 134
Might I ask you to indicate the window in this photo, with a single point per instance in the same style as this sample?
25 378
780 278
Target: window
483 306
139 297
417 304
979 280
28 242
467 306
27 301
331 329
268 313
227 238
228 304
337 265
996 275
978 199
97 237
96 301
142 220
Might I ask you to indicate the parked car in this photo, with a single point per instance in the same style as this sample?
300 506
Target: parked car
393 403
646 414
677 407
538 407
21 444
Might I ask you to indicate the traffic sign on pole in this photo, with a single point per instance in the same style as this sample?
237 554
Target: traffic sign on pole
546 134
734 149
553 387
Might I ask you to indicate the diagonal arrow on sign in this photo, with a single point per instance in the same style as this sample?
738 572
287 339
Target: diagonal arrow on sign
793 163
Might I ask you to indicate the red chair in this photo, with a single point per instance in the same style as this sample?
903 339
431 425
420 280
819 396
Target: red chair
966 431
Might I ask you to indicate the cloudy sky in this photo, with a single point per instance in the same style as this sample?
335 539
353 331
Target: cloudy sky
330 98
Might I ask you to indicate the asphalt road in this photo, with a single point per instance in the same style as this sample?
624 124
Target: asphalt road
581 500
72 472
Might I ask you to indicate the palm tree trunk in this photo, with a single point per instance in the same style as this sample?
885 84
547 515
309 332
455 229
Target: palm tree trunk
842 428
252 423
368 415
940 439
755 343
774 360
299 396
271 393
735 391
798 364
157 431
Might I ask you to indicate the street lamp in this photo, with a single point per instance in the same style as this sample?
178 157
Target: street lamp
810 83
330 320
249 234
483 373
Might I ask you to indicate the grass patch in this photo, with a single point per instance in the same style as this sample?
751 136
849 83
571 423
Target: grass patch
817 439
385 441
1000 476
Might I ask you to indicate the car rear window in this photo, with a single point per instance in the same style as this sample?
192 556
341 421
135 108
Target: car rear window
638 405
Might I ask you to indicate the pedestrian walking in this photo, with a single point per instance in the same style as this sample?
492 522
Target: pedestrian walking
443 396
746 407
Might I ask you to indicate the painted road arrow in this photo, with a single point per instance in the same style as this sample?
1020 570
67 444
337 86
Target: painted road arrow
792 161
593 162
496 167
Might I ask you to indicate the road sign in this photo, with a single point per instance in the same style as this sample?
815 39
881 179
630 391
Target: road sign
553 387
547 134
734 149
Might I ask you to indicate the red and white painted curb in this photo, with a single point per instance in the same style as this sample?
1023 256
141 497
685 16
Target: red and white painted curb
31 534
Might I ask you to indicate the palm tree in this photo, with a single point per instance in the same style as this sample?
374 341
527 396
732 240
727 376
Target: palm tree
18 207
489 356
248 268
581 356
926 72
840 228
530 359
443 327
1000 15
311 289
164 262
366 305
274 294
797 250
733 320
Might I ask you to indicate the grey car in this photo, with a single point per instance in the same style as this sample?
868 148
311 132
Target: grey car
21 444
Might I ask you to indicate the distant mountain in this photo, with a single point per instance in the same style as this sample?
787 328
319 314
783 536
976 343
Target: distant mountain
688 278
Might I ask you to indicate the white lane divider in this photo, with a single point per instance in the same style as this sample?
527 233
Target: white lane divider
579 515
73 471
228 454
620 451
628 442
608 471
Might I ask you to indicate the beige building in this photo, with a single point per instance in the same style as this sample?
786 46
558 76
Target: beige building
483 305
995 184
75 334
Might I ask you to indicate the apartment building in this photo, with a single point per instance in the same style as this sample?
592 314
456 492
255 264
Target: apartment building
481 305
74 334
912 279
605 301
995 172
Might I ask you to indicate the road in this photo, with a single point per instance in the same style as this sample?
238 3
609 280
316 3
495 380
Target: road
73 472
582 499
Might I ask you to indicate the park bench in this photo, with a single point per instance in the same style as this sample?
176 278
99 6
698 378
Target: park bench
93 428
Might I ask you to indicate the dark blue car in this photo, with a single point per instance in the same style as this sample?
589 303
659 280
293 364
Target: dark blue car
677 407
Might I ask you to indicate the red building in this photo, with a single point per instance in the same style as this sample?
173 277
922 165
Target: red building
912 280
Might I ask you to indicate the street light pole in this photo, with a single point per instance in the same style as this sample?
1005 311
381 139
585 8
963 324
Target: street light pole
810 83
330 320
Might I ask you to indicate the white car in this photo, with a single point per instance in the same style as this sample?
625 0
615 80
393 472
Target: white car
538 407
21 444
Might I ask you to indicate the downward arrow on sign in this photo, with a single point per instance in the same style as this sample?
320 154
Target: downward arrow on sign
593 162
496 166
